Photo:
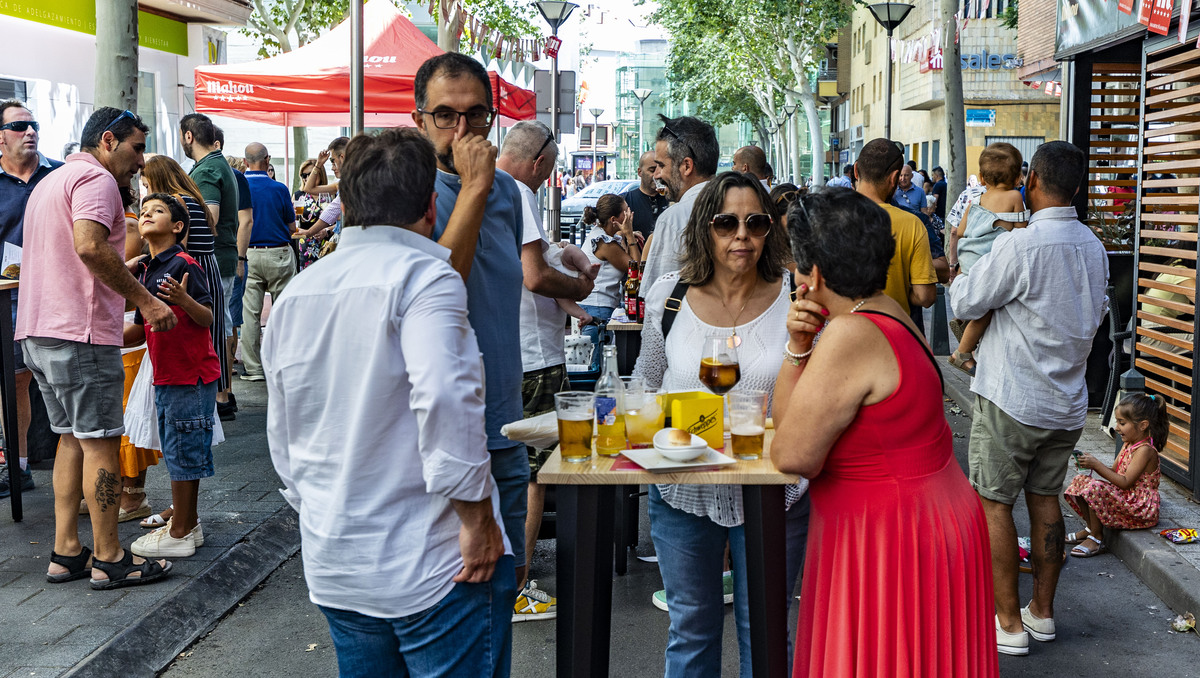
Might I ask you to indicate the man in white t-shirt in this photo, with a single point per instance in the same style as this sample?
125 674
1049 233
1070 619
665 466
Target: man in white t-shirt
528 155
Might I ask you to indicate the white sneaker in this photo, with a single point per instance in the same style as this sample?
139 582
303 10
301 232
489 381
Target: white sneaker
1040 629
160 544
1016 644
197 531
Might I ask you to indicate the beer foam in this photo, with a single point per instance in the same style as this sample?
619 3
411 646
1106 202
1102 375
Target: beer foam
574 416
747 430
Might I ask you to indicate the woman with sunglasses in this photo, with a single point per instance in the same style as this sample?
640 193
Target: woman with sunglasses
899 577
612 244
733 283
310 206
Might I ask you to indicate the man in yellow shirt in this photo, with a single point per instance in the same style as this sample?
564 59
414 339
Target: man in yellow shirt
911 278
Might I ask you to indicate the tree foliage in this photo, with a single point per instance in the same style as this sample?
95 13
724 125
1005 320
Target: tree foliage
284 25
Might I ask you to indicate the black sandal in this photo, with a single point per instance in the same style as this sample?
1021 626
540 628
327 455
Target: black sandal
118 572
77 566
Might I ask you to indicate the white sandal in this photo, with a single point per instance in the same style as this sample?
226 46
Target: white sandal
1080 551
1076 539
155 520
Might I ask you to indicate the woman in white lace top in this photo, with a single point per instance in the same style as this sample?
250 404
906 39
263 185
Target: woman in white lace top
736 251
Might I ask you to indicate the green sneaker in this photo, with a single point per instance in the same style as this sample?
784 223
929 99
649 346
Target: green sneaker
660 599
727 586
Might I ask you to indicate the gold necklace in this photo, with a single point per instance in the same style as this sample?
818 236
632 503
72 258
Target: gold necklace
734 340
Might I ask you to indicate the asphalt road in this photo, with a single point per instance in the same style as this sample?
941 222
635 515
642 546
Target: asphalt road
1109 624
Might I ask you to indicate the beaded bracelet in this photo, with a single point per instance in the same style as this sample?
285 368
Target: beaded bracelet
796 358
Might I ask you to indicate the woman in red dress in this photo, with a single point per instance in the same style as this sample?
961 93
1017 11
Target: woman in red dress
898 580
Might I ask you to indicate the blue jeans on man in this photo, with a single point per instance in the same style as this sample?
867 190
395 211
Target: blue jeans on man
467 633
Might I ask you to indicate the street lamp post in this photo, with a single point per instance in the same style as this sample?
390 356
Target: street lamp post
791 165
555 13
596 113
642 93
889 15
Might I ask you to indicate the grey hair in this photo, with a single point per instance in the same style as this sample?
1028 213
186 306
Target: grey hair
525 138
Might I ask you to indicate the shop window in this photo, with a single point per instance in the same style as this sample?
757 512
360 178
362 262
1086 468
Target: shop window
602 135
585 136
147 98
12 89
937 153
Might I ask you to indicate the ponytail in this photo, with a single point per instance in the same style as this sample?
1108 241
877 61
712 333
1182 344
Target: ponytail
1151 408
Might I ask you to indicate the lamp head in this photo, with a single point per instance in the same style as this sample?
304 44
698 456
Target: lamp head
555 12
890 14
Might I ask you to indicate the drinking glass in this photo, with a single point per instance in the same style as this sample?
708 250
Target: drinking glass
575 410
747 423
643 417
719 369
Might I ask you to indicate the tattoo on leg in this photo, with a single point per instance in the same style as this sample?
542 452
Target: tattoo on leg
1055 538
106 489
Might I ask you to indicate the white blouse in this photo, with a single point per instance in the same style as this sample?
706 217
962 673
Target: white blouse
674 365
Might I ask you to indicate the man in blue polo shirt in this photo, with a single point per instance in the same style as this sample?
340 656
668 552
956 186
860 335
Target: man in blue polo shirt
271 262
480 219
21 168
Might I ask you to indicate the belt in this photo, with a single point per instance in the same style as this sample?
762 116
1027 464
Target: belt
267 247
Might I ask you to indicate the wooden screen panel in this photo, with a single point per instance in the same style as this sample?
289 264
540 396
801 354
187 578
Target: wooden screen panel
1113 152
1167 212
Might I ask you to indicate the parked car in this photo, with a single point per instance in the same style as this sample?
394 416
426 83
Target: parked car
571 211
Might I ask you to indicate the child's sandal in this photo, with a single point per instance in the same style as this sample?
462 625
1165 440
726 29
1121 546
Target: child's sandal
1081 551
1076 539
119 572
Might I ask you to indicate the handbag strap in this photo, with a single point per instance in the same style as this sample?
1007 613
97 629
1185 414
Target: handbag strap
671 310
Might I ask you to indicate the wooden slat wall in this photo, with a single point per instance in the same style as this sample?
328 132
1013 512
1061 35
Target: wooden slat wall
1114 144
1166 236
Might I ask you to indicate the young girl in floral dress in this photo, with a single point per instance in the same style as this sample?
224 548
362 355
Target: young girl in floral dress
1125 496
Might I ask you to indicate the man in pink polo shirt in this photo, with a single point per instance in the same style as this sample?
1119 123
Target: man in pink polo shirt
70 320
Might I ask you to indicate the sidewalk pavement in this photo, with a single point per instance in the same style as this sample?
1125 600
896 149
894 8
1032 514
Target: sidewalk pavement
1172 571
71 630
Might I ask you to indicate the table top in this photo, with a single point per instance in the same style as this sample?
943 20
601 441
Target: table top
6 284
624 327
598 471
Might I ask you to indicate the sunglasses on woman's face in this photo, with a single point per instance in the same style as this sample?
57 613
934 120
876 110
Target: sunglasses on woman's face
304 175
726 225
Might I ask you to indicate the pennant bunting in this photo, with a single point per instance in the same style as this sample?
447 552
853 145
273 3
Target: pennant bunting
1160 16
1144 12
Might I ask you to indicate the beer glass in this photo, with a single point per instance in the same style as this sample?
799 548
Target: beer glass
719 369
575 410
747 419
643 413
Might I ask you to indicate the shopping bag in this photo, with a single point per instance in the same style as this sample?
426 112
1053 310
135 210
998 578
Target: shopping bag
141 416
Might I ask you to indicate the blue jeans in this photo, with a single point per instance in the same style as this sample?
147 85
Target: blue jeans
235 298
601 314
467 633
691 552
510 470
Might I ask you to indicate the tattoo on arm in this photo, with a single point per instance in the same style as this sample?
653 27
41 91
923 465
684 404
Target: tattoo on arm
107 484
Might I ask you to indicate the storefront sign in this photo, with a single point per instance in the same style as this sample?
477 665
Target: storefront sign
154 32
987 62
981 117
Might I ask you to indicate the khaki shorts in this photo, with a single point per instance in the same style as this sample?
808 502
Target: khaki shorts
1005 456
537 397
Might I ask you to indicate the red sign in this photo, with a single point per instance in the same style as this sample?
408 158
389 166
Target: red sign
552 45
1125 6
1144 12
1160 15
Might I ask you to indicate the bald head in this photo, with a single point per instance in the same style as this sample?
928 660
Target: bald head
256 157
645 173
751 159
529 153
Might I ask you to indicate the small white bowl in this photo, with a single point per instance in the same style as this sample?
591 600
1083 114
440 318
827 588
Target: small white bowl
676 453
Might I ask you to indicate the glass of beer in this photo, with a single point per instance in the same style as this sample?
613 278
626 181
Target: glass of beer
747 423
719 369
575 410
643 416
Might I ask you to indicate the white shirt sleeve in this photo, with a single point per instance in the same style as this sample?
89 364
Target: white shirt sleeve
445 370
996 279
651 364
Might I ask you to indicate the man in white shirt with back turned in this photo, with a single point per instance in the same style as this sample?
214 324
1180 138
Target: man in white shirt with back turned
380 444
1046 284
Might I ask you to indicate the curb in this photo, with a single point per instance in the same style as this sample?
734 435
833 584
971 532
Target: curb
149 644
1170 577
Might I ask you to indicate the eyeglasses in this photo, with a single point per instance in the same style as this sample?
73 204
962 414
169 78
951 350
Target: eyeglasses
691 151
549 138
21 125
726 225
119 118
476 117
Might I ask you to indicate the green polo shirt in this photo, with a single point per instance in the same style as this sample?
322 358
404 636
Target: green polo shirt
214 178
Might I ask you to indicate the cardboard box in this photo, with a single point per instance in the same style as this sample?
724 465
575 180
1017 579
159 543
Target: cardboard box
700 413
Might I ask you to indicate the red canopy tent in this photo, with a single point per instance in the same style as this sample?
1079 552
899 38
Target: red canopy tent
310 86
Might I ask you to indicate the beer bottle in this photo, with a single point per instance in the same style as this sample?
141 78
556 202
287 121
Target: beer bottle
610 408
631 291
642 289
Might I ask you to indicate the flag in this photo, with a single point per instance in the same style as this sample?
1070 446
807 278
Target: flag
1160 16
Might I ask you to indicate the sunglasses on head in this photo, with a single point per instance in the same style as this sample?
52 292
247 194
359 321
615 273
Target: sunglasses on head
726 225
673 133
124 115
21 125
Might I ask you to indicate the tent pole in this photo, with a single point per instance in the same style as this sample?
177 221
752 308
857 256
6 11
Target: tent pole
287 150
356 67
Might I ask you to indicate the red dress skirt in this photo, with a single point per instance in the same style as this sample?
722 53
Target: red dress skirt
898 577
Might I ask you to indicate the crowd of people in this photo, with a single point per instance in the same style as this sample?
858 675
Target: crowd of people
424 272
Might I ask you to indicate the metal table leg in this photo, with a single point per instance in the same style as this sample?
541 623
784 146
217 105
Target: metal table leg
585 563
766 562
8 392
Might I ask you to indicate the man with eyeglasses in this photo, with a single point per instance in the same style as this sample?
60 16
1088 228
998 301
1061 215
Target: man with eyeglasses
529 155
685 152
912 280
74 285
643 200
480 219
22 167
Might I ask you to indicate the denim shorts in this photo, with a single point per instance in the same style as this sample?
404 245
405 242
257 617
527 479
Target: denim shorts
82 385
185 427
